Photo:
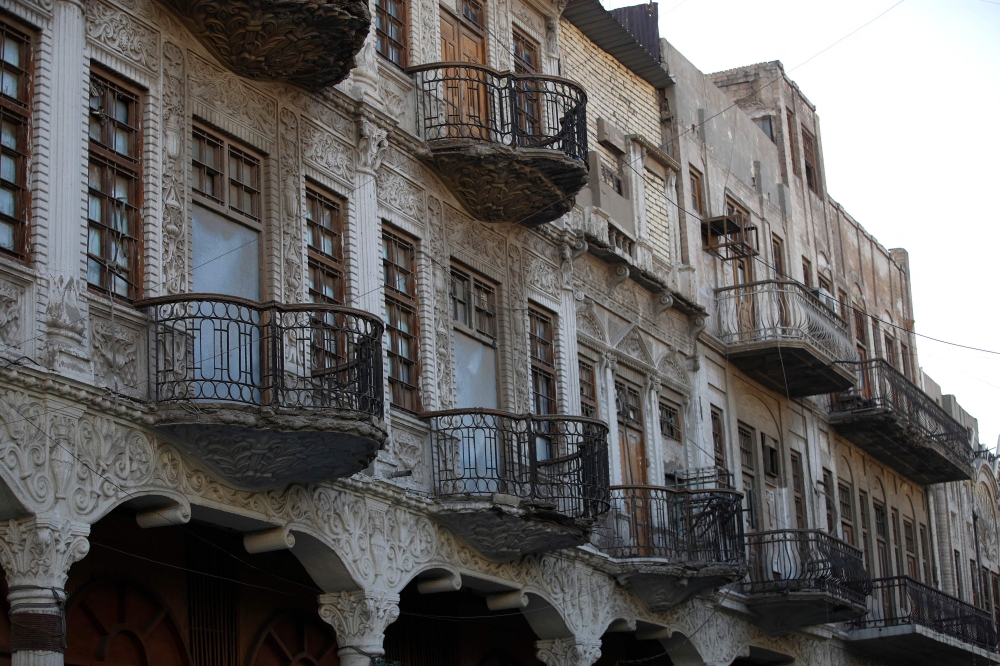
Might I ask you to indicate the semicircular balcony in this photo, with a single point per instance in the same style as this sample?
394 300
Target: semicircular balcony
784 337
266 394
513 484
798 578
308 43
669 544
511 147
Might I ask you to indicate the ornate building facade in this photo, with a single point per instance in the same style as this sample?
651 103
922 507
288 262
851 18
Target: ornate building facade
472 333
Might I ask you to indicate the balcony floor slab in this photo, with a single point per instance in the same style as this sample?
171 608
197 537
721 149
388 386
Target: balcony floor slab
662 584
261 449
790 367
497 183
778 612
917 644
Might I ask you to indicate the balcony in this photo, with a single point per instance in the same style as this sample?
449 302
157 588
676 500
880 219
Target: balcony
669 545
896 422
512 484
512 148
909 622
309 44
265 394
783 337
799 578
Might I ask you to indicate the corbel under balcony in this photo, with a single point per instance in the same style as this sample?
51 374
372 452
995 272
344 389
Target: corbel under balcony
308 43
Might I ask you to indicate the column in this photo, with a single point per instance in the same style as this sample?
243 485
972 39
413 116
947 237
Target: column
568 651
36 554
66 314
610 371
359 619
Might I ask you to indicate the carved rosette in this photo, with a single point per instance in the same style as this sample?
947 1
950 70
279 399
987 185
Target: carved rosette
360 617
310 43
568 652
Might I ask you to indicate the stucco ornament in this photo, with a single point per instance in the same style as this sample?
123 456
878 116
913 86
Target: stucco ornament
568 652
308 43
372 142
360 617
36 554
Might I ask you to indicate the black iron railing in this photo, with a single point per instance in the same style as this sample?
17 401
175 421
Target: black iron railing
681 526
881 388
460 100
213 348
701 478
784 561
901 600
558 463
779 310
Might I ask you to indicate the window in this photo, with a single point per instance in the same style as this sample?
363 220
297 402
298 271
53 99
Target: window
114 245
697 196
807 273
972 579
399 278
764 124
792 148
910 545
612 178
778 257
896 541
474 12
958 576
890 350
845 493
865 531
925 557
881 537
543 359
473 310
904 353
670 421
746 446
809 157
831 522
798 491
770 455
226 177
860 330
525 54
588 389
326 247
390 30
631 431
473 303
15 137
718 439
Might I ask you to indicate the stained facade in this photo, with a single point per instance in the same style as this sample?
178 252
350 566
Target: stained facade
468 333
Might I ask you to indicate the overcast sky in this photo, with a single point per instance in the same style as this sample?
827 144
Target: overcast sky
910 116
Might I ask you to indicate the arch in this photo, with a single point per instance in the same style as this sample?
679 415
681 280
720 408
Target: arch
544 617
845 470
149 500
322 561
294 638
113 619
753 410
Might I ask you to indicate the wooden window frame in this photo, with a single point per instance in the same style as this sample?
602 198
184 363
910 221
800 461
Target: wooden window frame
697 183
522 43
792 146
925 556
865 531
223 171
588 380
831 502
322 263
760 121
807 269
402 395
542 354
910 549
16 112
718 437
474 311
778 256
770 456
809 157
384 42
111 167
670 420
798 491
897 546
958 576
746 436
845 497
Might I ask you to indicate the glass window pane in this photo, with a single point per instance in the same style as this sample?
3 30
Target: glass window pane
10 85
8 136
8 202
12 52
6 235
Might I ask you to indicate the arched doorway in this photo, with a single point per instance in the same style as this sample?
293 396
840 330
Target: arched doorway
295 638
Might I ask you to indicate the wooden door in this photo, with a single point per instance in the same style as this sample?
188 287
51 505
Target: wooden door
744 302
466 89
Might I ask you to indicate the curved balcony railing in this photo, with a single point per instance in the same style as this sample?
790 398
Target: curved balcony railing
880 388
209 348
901 600
558 463
780 310
784 561
460 100
680 526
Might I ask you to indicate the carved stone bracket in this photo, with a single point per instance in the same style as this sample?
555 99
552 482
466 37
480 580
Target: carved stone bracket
359 618
620 275
662 302
372 142
568 652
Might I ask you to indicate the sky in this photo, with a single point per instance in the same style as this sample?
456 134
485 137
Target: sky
909 112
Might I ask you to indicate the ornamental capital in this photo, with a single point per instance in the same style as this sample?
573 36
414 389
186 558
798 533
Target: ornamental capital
568 651
36 554
359 618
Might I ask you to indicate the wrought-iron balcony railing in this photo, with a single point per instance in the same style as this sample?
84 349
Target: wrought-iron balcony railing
788 561
554 463
511 147
701 478
209 348
901 600
784 336
686 527
460 100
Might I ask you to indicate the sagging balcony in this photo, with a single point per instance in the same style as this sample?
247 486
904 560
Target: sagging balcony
308 44
512 147
512 484
799 578
671 544
909 622
785 338
266 394
892 419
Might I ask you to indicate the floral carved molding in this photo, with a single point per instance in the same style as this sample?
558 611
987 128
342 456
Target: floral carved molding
310 43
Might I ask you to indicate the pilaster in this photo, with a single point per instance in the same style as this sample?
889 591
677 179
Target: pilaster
372 143
359 619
